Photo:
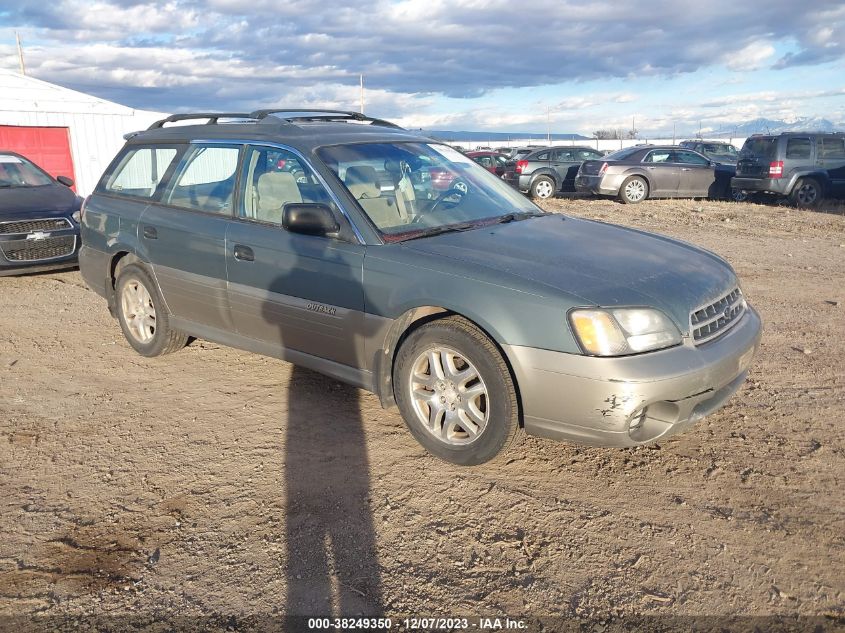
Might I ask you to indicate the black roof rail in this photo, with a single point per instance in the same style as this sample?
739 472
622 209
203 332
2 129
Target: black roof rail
211 116
311 114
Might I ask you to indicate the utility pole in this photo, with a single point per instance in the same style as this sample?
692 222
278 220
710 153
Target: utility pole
673 132
362 93
549 124
20 53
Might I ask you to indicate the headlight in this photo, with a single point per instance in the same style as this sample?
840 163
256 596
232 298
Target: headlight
77 216
623 330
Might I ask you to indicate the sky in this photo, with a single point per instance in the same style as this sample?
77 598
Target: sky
480 65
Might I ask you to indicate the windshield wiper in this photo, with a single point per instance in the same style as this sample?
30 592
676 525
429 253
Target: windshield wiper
516 217
436 230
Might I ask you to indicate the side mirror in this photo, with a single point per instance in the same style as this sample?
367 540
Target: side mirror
67 182
309 218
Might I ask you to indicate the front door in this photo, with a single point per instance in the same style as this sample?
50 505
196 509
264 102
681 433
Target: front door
663 173
293 291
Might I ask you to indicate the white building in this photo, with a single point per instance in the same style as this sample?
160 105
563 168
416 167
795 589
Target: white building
62 129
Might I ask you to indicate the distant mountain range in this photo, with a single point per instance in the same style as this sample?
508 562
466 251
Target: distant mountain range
757 126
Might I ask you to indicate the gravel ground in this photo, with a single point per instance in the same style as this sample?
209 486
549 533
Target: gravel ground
218 482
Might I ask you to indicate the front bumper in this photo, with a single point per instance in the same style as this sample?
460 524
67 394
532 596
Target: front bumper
38 251
631 400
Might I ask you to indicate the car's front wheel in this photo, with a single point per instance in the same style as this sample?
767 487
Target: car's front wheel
806 194
633 190
142 315
455 392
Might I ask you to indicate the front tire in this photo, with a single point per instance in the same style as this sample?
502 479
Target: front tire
455 392
142 315
543 187
633 190
806 194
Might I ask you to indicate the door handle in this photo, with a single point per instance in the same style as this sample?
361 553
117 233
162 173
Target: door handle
244 253
150 233
685 169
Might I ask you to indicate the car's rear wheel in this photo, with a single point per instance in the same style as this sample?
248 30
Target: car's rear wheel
142 315
738 195
455 392
543 187
633 190
806 194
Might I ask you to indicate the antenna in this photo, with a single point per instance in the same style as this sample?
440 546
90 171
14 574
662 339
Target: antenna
20 53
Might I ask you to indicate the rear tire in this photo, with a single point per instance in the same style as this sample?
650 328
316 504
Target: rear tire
806 194
543 187
633 190
142 314
455 392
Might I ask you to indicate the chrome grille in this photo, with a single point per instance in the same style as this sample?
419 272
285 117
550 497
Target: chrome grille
710 321
28 226
38 250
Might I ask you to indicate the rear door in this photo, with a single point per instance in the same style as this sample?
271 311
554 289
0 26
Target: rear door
697 175
566 166
184 234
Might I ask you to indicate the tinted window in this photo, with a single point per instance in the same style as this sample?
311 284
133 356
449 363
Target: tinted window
273 178
658 156
690 158
564 155
798 148
586 154
832 147
760 147
205 180
140 171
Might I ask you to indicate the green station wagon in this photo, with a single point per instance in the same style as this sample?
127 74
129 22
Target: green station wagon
319 238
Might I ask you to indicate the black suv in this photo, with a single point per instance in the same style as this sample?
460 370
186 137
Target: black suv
546 171
803 166
717 151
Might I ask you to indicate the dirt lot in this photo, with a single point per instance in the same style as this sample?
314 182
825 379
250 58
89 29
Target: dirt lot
218 481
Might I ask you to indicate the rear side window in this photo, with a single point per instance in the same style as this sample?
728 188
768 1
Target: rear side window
140 171
690 158
798 148
205 180
832 147
658 156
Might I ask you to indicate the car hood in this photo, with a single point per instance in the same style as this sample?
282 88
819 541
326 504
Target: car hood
593 263
31 202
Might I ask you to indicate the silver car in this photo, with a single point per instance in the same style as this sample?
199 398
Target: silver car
651 171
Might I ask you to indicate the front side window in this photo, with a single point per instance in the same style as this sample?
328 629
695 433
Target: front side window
832 147
140 171
412 187
273 177
205 179
690 158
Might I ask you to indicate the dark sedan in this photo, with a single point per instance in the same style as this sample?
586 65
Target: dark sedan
39 218
649 171
545 172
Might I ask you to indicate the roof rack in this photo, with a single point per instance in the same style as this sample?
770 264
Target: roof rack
211 116
309 114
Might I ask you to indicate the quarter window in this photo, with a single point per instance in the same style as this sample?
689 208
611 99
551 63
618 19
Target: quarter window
798 148
205 180
140 171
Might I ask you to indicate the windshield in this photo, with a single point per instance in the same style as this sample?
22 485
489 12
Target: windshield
19 172
720 149
406 188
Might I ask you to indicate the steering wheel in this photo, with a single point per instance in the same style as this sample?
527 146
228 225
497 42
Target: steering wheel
459 191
